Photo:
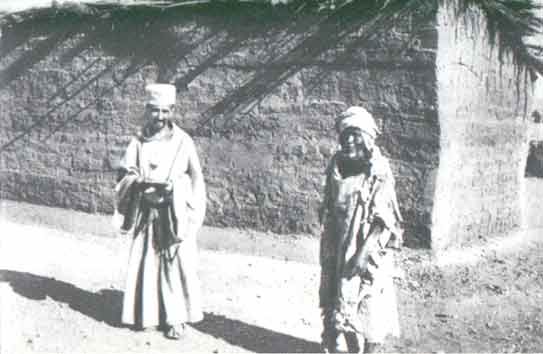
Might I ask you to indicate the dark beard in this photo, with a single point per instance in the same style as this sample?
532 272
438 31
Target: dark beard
348 167
151 129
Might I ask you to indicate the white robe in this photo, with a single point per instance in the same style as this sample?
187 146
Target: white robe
162 285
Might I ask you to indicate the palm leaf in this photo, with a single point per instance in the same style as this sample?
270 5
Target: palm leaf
508 22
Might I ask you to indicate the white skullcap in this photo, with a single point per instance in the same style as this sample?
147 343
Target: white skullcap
357 117
160 94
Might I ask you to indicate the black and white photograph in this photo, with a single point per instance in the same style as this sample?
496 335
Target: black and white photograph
271 176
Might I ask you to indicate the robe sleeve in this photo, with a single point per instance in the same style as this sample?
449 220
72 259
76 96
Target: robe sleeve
127 197
384 207
189 189
328 242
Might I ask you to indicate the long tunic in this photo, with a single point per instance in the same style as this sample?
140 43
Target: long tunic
162 285
351 205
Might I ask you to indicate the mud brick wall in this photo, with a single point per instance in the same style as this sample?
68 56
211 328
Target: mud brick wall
483 107
258 88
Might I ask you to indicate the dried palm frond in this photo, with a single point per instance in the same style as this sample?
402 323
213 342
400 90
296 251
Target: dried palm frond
508 22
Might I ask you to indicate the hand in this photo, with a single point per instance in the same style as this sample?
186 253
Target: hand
364 267
169 186
139 180
353 267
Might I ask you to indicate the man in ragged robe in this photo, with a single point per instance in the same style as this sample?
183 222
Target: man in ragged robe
161 200
361 224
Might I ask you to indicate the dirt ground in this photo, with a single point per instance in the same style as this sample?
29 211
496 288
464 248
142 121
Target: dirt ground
67 292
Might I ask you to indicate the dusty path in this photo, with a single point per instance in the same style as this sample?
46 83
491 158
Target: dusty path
68 298
67 290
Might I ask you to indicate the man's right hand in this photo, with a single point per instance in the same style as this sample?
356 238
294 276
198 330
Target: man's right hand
139 180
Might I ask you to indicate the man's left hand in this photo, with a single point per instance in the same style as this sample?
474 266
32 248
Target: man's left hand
355 266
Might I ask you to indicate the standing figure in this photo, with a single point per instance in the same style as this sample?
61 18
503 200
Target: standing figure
361 223
160 198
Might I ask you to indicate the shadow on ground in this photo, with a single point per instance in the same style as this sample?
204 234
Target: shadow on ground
103 306
106 304
253 338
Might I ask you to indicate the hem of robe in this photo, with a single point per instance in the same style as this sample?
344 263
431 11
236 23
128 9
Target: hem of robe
188 309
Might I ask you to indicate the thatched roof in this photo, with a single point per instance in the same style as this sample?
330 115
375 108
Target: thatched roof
509 22
20 6
14 6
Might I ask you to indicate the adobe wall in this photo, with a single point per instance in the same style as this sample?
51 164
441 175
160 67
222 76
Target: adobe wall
483 103
258 88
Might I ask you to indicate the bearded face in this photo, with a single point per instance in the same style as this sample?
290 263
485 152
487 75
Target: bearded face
157 116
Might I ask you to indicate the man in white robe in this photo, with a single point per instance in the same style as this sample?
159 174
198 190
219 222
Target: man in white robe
161 199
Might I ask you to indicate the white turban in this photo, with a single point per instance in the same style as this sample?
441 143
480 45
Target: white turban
160 94
357 117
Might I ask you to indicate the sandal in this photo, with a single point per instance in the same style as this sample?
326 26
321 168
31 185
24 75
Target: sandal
175 332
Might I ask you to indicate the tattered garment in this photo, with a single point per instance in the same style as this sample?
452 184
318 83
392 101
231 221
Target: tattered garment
351 205
162 285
